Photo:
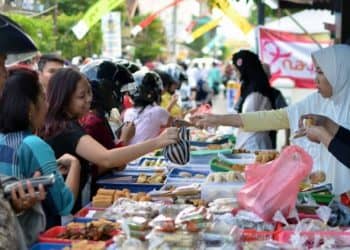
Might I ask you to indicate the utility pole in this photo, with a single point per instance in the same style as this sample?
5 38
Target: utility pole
54 18
261 12
174 24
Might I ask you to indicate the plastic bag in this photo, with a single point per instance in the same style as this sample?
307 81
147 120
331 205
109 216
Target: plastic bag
274 186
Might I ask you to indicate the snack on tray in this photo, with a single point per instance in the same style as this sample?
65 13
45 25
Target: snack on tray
240 151
222 177
154 179
214 147
95 230
266 156
105 197
317 177
185 174
103 191
84 244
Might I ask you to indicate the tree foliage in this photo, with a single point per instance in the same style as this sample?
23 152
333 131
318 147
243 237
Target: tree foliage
41 31
151 42
69 7
70 46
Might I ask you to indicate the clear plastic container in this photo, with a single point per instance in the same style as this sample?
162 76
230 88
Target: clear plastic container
212 191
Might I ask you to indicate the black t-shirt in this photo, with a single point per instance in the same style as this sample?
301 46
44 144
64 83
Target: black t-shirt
278 102
340 146
66 142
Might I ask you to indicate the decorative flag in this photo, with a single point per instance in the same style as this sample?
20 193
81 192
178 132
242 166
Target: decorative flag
226 7
144 23
203 29
93 15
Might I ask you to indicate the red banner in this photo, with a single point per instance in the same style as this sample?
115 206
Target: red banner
289 55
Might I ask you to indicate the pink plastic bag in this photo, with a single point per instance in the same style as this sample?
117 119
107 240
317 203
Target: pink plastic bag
275 185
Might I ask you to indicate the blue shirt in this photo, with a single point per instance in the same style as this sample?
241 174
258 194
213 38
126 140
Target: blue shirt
22 154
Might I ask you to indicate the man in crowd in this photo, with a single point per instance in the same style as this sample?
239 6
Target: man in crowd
3 71
48 64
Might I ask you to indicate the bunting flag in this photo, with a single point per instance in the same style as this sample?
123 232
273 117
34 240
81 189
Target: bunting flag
93 15
226 7
215 42
203 29
148 20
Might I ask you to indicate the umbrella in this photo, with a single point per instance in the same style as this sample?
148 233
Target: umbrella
13 40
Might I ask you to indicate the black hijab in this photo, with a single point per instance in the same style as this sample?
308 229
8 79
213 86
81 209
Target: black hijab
253 76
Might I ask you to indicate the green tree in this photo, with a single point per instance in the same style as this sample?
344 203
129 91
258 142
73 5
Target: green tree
150 43
39 29
70 46
69 7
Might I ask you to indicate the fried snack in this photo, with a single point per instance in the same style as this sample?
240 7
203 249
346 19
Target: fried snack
238 167
142 178
96 230
265 156
102 201
214 146
240 151
154 179
84 244
105 192
317 177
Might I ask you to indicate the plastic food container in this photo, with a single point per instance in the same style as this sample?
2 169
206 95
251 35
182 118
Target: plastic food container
129 182
341 238
188 175
212 191
48 246
88 214
204 156
146 163
254 235
222 140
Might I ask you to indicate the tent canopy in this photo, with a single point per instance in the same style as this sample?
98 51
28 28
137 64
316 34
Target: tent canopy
312 20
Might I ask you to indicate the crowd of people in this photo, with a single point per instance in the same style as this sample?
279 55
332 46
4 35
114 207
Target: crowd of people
54 119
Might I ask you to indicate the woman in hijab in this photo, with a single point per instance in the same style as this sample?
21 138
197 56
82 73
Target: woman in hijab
256 95
331 100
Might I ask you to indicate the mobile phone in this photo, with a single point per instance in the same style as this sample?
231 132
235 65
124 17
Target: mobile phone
11 183
119 129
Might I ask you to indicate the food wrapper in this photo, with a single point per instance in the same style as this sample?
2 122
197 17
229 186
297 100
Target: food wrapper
179 239
195 219
124 208
137 223
130 243
163 224
172 210
249 220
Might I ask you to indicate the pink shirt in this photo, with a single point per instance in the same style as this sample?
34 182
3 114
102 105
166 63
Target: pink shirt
148 123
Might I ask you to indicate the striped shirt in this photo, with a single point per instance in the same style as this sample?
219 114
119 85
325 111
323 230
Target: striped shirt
22 154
